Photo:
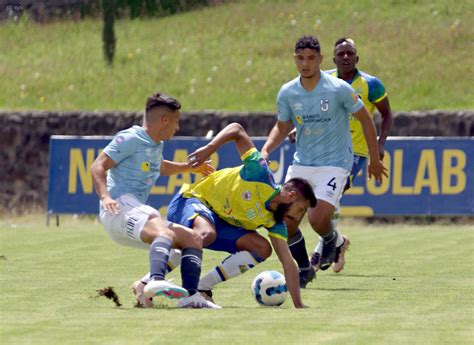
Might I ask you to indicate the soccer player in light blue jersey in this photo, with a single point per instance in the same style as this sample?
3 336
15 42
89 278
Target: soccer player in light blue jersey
372 92
134 160
319 105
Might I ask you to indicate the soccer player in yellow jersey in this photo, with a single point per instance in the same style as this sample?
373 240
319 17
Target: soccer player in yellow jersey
227 206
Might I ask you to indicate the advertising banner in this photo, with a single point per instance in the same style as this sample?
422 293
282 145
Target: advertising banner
427 176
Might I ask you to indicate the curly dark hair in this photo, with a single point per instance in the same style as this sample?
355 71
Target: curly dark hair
304 187
310 42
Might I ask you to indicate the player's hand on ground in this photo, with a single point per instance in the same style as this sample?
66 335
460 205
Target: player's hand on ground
377 170
292 135
200 156
301 306
110 205
206 168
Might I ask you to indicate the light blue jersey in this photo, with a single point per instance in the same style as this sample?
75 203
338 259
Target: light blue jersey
321 118
138 160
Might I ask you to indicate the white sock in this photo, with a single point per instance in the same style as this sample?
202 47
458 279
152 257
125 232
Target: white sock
174 259
230 267
146 278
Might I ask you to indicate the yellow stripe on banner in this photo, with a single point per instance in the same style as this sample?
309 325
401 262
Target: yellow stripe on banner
357 211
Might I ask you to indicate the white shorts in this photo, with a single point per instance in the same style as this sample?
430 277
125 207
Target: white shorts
328 182
125 227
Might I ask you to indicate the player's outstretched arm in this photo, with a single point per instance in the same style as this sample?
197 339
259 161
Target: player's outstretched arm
168 168
233 131
276 137
375 167
98 171
290 269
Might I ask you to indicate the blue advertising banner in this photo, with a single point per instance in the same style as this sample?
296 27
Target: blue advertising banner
428 176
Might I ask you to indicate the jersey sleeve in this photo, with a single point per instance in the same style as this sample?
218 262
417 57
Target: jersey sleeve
376 90
278 230
350 99
256 169
283 107
122 146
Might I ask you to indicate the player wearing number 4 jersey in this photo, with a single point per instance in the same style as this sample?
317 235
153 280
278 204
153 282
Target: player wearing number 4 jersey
372 92
318 105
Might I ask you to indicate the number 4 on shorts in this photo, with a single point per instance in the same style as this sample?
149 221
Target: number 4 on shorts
332 183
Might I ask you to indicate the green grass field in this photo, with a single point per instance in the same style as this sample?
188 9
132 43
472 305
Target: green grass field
403 284
236 56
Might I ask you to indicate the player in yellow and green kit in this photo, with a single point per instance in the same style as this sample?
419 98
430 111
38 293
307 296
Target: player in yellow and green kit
226 208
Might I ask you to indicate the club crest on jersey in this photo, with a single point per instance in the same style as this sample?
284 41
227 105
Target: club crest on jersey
324 103
299 119
246 195
145 166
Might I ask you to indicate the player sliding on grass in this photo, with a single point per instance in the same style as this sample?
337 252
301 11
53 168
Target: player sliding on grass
134 161
226 208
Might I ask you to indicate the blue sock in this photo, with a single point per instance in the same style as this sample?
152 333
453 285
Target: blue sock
159 253
191 269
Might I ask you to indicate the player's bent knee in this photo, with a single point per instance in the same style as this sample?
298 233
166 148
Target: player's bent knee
154 228
207 236
263 249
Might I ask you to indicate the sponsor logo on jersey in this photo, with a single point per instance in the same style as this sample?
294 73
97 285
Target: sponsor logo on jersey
298 106
145 166
299 119
250 214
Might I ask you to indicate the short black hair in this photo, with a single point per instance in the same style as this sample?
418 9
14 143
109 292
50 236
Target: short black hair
162 100
304 187
310 42
344 40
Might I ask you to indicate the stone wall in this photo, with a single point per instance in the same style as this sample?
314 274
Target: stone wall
24 140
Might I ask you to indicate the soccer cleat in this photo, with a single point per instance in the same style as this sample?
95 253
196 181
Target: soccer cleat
207 294
196 301
164 288
340 260
307 276
142 300
328 255
315 259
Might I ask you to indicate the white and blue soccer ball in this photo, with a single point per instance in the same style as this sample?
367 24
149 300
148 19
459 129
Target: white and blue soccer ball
269 288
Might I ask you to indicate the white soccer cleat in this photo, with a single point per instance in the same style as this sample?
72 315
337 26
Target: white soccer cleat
164 288
142 300
196 301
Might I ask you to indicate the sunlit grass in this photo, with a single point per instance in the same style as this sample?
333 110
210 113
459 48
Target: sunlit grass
403 284
236 56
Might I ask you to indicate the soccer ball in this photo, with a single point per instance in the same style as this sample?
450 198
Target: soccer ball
269 288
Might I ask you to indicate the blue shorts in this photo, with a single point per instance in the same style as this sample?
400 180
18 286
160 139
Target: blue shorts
184 211
357 165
